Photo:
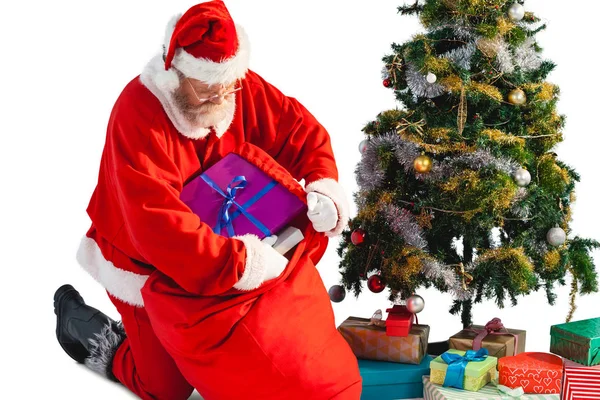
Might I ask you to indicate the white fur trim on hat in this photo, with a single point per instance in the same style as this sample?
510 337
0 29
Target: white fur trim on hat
124 285
332 189
206 70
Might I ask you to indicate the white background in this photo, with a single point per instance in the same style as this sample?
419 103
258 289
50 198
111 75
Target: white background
65 62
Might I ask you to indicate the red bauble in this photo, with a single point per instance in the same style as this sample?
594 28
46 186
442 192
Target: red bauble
337 293
376 284
357 237
387 83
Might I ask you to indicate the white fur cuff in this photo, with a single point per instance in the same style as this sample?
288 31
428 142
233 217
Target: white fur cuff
254 271
332 189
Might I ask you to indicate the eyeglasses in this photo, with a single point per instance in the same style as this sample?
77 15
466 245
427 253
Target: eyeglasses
213 97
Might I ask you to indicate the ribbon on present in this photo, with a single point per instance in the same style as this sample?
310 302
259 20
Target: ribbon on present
493 327
509 393
455 374
377 319
224 220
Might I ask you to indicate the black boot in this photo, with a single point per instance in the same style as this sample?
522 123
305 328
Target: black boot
87 335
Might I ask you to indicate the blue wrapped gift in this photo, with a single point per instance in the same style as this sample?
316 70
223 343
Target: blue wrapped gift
390 381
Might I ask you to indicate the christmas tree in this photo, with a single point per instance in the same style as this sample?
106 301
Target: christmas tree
459 189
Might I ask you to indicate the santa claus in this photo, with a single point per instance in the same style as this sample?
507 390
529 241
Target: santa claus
229 316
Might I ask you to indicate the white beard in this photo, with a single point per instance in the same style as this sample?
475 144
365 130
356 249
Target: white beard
207 115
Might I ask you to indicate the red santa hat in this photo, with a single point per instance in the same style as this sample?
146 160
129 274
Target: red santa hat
205 44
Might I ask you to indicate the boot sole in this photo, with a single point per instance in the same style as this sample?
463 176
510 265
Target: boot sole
74 349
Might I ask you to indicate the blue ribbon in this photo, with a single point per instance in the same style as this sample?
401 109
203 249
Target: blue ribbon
455 374
224 219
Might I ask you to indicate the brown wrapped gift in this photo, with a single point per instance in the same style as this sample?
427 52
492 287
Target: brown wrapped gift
499 341
370 342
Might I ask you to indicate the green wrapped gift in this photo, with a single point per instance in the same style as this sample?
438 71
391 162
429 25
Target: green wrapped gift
578 341
477 373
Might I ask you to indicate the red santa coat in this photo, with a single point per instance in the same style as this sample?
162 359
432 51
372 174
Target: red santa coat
139 224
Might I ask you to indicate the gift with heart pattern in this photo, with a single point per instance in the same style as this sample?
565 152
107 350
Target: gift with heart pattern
536 373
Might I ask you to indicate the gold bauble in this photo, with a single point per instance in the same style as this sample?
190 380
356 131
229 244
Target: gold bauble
423 164
517 97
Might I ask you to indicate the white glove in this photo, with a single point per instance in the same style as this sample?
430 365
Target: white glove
322 212
275 262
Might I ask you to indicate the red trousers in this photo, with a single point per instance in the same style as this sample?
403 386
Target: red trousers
142 364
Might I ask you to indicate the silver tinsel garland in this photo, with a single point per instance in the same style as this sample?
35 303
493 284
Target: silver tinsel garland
436 271
448 167
526 56
462 56
369 174
520 209
417 82
403 223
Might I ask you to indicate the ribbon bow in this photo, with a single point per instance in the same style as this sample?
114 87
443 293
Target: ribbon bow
377 319
455 374
507 393
493 327
223 218
467 278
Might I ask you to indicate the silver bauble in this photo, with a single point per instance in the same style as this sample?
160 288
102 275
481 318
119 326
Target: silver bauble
556 236
415 304
516 12
431 77
363 146
522 177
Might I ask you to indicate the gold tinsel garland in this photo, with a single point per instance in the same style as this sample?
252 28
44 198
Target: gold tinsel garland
503 138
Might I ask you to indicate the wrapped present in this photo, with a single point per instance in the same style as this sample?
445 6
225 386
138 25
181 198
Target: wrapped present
470 370
494 337
578 341
235 197
368 340
399 321
580 382
490 391
534 372
387 381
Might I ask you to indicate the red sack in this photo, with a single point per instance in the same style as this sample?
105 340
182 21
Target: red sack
276 342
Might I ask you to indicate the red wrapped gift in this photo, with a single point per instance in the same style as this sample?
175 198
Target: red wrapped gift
580 382
536 373
399 321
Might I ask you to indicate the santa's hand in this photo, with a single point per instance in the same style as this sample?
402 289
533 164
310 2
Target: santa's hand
275 262
322 212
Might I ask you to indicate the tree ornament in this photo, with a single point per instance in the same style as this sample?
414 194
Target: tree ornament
431 77
358 236
363 146
387 83
556 236
423 164
522 177
376 284
415 304
516 12
337 293
517 97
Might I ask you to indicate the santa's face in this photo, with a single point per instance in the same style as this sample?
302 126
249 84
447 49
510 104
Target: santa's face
204 105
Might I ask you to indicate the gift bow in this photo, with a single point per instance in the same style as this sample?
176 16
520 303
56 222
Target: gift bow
223 218
508 393
377 319
493 327
455 374
516 393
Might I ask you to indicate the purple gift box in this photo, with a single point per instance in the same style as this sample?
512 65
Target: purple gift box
235 197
